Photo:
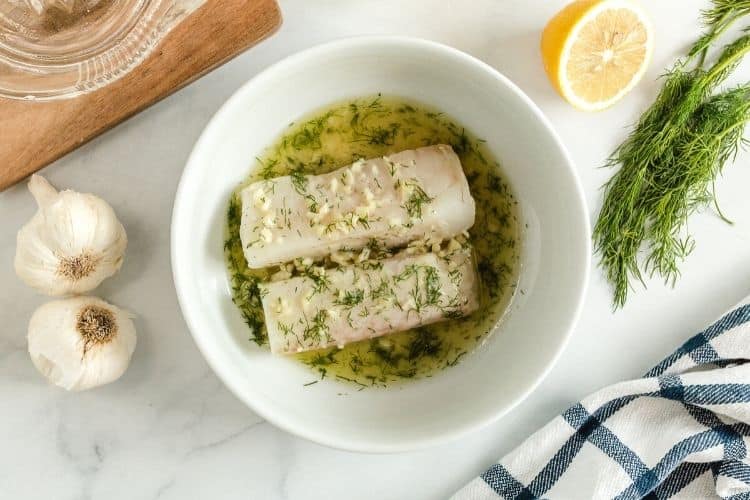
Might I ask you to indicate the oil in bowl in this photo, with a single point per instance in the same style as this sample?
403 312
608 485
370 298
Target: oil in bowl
371 127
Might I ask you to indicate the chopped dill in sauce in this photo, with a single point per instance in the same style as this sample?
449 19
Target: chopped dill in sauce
367 128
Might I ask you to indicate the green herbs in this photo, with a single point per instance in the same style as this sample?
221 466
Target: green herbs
363 129
309 134
456 277
425 343
671 159
268 168
384 292
377 249
246 289
382 136
718 19
351 298
432 286
299 181
317 328
349 222
372 127
287 330
234 217
426 291
322 360
417 199
320 281
312 204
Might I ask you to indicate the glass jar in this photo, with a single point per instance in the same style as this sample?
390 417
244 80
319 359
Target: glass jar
52 49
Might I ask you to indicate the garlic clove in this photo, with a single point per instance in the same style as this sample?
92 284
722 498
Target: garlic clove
81 342
72 243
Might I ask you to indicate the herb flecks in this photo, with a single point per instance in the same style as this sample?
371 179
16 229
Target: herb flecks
425 343
416 201
350 298
310 133
246 290
299 181
317 275
317 329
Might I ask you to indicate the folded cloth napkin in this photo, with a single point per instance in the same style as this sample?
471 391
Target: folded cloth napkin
681 431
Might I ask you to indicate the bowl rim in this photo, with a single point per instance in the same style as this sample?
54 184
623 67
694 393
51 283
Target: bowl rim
326 438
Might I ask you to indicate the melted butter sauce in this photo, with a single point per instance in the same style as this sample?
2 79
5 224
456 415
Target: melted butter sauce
370 127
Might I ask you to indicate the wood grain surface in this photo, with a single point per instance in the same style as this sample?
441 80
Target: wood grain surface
33 134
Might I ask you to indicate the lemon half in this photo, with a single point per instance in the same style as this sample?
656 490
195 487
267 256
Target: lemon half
596 51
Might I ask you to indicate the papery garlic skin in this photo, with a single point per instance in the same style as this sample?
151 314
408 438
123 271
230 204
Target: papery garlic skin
72 243
81 342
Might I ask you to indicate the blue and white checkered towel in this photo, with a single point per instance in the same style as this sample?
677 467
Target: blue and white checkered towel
682 431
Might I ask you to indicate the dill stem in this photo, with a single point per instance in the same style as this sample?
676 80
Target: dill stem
716 205
726 21
723 65
739 124
730 128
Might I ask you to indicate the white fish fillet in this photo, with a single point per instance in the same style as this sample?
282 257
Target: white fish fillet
396 199
357 302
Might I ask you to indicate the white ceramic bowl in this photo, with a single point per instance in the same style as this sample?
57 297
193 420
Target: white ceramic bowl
556 249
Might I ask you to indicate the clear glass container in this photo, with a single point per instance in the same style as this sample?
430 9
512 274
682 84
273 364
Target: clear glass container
53 49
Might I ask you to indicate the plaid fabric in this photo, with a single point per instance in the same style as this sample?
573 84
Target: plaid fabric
681 431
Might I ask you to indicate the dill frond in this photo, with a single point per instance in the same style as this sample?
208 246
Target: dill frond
717 19
669 162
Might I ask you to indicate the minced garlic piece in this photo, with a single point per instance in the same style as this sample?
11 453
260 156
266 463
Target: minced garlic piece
318 214
454 245
357 165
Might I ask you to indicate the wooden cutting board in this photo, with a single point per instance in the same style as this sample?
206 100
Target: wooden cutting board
34 134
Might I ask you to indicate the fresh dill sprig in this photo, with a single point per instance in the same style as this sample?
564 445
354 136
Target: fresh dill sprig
713 139
722 15
670 160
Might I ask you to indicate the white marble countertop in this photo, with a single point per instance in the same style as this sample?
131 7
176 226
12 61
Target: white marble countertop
170 430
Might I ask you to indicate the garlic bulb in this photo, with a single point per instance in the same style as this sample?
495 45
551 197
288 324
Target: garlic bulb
81 342
72 243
